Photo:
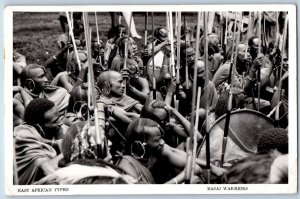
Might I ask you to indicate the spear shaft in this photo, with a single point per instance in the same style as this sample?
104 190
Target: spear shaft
188 172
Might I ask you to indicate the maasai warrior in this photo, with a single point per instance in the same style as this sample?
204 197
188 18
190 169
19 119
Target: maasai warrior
35 83
145 148
255 169
112 89
118 60
209 89
37 141
72 77
110 48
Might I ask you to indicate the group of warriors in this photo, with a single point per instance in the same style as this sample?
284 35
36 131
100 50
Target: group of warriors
193 106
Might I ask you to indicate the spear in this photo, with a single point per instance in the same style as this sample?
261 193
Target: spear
229 105
153 77
246 54
205 16
126 49
178 60
195 130
146 40
73 40
281 67
172 44
188 172
185 64
101 150
258 51
98 38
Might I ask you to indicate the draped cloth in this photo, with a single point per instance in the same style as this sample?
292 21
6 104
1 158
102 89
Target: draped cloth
31 153
125 102
74 173
59 96
142 173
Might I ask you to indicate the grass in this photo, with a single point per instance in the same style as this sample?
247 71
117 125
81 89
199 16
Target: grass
35 34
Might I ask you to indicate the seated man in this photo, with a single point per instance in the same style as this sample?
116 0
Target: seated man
34 81
208 93
138 87
37 141
110 47
124 45
72 77
19 62
112 90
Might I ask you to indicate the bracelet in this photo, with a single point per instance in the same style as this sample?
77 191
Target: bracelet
54 57
79 79
176 182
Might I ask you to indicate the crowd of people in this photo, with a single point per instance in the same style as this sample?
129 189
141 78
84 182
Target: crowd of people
142 127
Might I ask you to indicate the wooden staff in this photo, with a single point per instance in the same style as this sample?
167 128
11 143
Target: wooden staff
188 170
73 40
229 105
178 60
153 77
258 51
281 67
101 150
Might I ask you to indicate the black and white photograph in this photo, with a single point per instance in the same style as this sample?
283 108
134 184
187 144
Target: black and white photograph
196 97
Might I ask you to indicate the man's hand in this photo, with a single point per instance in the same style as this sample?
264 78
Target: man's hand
258 61
67 46
125 75
172 86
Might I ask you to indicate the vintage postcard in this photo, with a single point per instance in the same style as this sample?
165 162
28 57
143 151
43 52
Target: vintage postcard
150 99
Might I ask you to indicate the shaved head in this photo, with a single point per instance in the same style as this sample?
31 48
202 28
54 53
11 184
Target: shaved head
111 83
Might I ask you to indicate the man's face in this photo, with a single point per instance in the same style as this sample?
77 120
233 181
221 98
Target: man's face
132 47
38 75
52 121
190 56
117 84
254 48
155 143
214 40
200 73
121 32
241 52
